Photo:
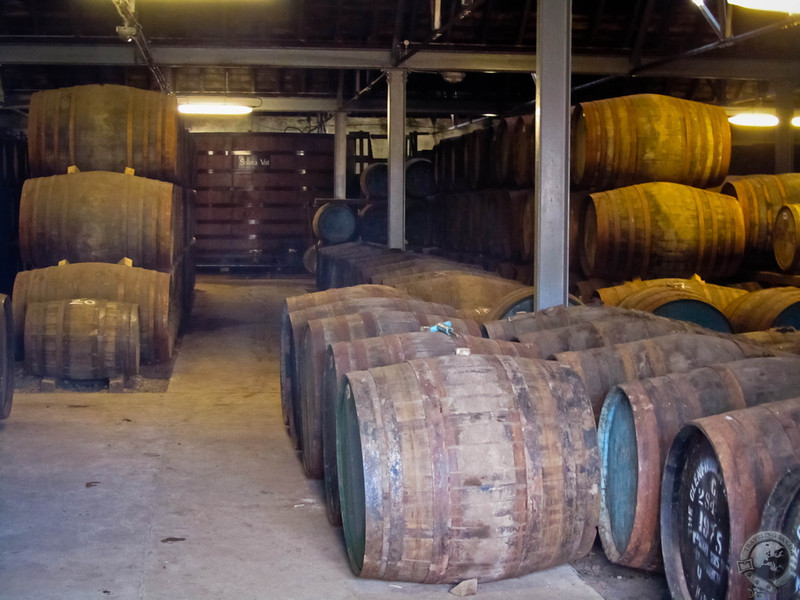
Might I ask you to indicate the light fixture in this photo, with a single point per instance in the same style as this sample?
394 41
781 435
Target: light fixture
453 76
785 6
213 108
754 119
796 121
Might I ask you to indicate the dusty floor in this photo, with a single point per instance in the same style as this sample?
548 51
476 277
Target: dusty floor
194 492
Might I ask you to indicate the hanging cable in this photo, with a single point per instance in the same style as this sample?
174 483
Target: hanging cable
131 30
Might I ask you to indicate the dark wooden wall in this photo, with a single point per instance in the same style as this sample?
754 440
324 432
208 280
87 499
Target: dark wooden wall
254 196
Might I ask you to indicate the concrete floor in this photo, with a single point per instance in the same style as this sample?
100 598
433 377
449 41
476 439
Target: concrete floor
194 493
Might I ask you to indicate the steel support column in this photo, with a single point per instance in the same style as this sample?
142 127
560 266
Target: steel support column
340 155
553 39
396 117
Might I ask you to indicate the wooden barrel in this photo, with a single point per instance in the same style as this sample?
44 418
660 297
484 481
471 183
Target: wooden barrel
105 128
321 332
661 230
779 339
99 216
781 514
82 338
478 157
310 260
385 267
517 302
785 238
442 165
375 181
718 295
419 269
512 237
648 137
303 301
332 261
458 163
523 151
719 474
151 290
529 226
495 454
761 197
554 317
501 151
374 223
359 269
419 177
6 356
335 223
293 328
762 309
613 330
638 422
680 304
476 293
603 368
358 355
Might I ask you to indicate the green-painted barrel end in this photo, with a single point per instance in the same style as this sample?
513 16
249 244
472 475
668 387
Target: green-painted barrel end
349 461
619 462
696 311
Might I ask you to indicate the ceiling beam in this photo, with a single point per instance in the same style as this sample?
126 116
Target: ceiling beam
424 60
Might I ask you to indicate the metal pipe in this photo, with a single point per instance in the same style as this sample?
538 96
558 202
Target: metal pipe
465 12
725 43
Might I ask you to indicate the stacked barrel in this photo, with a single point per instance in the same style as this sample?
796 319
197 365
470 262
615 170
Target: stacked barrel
431 438
484 183
105 232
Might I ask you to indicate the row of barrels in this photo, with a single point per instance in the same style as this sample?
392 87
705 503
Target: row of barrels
453 388
340 222
614 143
480 295
418 176
650 230
476 293
722 308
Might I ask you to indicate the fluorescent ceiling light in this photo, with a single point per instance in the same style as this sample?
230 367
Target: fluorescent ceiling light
214 108
785 6
754 119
